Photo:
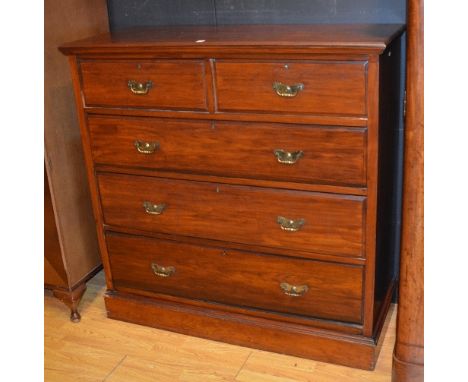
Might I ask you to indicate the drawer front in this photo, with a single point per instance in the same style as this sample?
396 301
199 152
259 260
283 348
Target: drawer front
249 150
303 287
300 220
156 84
327 87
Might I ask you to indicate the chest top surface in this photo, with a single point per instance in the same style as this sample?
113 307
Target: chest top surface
319 38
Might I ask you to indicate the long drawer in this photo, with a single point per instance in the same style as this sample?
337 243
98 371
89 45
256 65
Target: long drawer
304 287
307 221
314 87
255 150
163 84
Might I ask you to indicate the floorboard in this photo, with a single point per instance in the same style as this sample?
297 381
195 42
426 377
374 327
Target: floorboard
100 349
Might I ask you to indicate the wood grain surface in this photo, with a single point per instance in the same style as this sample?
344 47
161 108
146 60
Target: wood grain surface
333 224
409 349
318 38
331 155
236 278
101 349
332 87
244 214
175 84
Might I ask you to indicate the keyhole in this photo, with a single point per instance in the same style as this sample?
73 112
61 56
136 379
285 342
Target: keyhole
139 66
286 66
217 188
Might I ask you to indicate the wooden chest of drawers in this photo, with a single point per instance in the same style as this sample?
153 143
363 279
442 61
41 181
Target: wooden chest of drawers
241 180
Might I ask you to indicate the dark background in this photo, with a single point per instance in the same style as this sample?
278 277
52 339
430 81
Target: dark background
130 13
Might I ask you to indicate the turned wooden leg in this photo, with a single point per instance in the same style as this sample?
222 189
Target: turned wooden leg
71 298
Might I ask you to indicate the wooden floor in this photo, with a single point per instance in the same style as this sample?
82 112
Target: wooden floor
100 349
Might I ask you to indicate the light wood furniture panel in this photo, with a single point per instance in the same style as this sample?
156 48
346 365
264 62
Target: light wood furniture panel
71 254
277 256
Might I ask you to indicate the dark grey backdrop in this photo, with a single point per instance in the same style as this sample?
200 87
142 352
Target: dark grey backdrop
127 13
130 13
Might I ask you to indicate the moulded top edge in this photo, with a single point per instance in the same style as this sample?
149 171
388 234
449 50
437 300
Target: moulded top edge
331 38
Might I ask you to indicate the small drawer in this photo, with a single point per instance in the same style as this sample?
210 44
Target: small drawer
249 150
161 84
275 283
295 220
335 87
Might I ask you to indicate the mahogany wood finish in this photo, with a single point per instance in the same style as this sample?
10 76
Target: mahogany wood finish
242 329
352 40
311 119
333 224
106 84
302 341
408 357
332 155
244 247
237 278
214 260
72 298
300 186
329 87
71 254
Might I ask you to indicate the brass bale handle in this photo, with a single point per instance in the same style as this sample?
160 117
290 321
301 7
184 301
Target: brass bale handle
290 225
154 209
284 90
146 147
162 271
294 290
139 88
287 157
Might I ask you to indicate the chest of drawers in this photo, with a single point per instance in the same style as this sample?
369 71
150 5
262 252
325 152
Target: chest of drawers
242 183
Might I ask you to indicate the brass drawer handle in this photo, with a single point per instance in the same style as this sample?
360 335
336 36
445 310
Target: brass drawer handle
290 225
162 271
287 157
139 87
294 290
284 90
146 147
154 209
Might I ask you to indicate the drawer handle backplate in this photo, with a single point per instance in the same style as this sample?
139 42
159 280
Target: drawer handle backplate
284 90
154 209
162 271
294 290
290 225
287 157
139 88
146 147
